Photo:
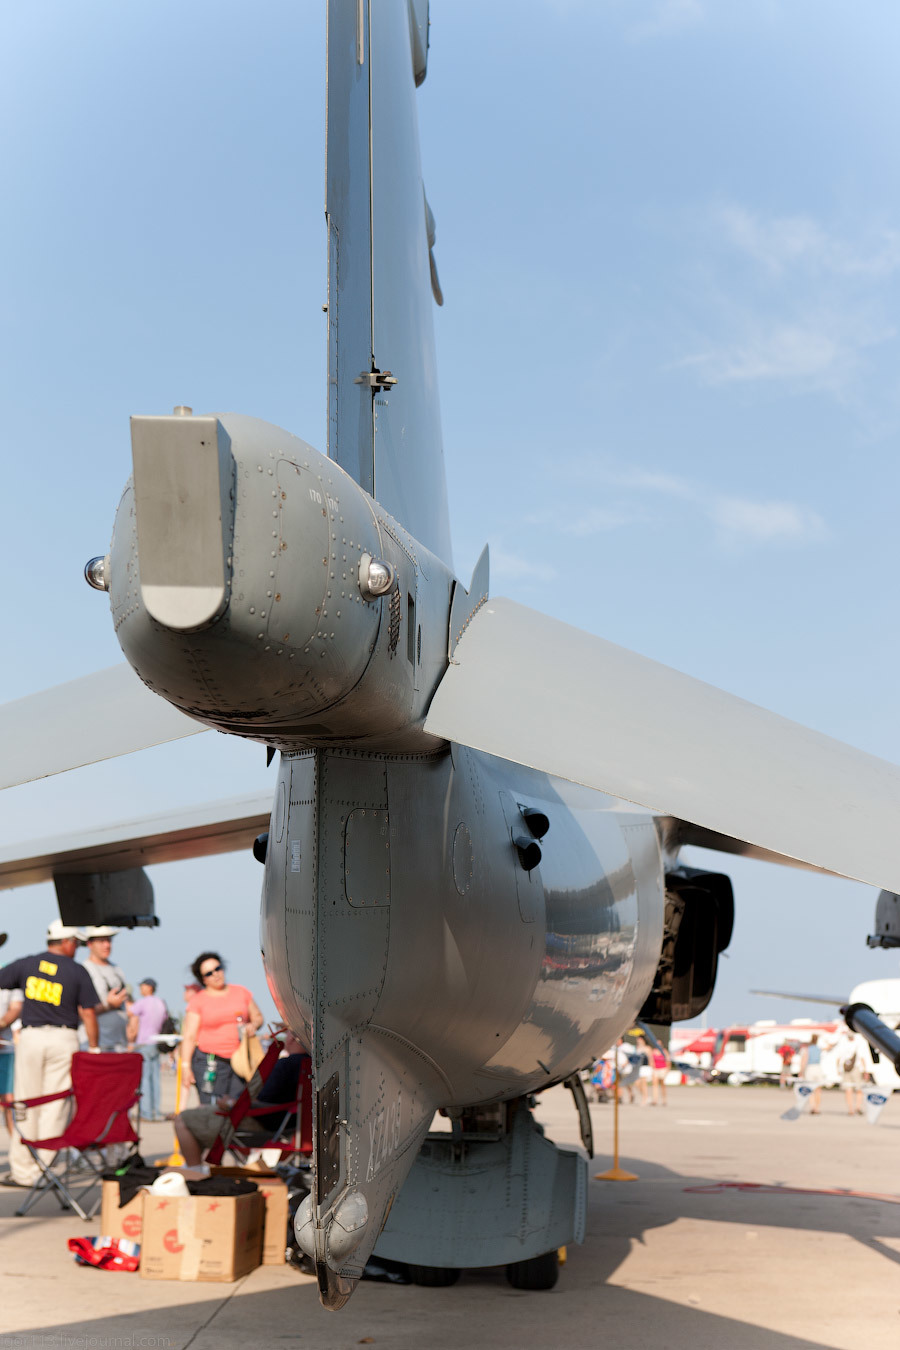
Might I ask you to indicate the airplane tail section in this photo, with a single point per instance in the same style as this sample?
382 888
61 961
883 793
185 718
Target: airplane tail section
372 1112
383 411
326 935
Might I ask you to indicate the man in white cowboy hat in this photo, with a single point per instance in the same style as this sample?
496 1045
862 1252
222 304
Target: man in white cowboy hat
112 991
56 993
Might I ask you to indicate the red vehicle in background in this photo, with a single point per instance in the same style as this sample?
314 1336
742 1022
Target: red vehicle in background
705 1048
745 1054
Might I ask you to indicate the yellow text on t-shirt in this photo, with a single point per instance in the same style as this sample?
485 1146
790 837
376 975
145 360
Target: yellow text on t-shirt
43 991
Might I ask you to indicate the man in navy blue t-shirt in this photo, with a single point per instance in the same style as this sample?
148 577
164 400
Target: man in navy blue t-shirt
56 993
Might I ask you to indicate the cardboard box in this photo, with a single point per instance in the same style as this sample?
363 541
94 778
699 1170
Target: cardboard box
274 1193
126 1222
214 1238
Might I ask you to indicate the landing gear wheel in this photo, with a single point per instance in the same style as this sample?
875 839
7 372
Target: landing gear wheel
434 1277
541 1272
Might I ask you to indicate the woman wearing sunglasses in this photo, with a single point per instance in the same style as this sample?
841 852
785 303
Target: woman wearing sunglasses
215 1020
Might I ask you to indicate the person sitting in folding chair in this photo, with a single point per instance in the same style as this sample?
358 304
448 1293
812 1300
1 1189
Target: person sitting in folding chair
264 1113
104 1089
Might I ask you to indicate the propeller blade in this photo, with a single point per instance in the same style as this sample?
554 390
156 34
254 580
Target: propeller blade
97 717
182 832
531 689
800 998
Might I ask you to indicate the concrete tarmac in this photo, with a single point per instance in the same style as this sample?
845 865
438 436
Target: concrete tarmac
707 1250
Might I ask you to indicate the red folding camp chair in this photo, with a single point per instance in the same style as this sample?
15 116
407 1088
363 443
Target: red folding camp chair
292 1131
104 1089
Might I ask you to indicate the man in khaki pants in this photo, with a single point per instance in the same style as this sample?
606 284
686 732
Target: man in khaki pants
56 992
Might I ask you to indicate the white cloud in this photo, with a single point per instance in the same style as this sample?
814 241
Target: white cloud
651 481
806 311
665 16
737 521
818 351
779 243
739 518
516 568
600 519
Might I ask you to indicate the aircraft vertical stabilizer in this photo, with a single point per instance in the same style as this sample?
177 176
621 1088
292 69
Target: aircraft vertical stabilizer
383 411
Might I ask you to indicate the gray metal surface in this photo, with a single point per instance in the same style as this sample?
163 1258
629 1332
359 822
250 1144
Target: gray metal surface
184 503
861 1018
123 898
326 946
96 717
418 24
887 921
351 437
379 282
465 603
600 715
188 832
484 1202
301 654
393 900
409 460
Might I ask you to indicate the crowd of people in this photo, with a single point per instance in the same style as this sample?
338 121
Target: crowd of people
851 1059
52 1006
640 1069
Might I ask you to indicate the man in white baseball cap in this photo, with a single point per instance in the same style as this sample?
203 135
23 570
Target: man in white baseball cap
56 993
109 982
57 931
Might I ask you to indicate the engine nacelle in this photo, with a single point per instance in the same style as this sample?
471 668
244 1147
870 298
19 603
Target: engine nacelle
259 589
699 920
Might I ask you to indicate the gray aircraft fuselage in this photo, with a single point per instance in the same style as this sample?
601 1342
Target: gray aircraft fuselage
498 979
444 926
441 927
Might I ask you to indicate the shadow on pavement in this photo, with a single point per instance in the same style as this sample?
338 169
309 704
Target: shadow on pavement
276 1307
483 1312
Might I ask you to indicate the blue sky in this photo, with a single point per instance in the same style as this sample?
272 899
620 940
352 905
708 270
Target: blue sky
668 235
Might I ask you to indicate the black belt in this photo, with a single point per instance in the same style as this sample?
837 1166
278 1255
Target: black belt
47 1026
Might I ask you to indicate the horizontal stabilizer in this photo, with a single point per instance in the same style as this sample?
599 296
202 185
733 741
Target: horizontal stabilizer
537 691
188 832
97 717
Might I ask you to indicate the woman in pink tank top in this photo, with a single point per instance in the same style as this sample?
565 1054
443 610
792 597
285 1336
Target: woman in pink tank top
215 1019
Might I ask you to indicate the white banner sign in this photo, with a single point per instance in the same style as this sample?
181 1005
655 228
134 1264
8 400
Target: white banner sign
802 1098
876 1100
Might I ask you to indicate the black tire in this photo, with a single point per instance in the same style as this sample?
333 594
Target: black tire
434 1277
541 1272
